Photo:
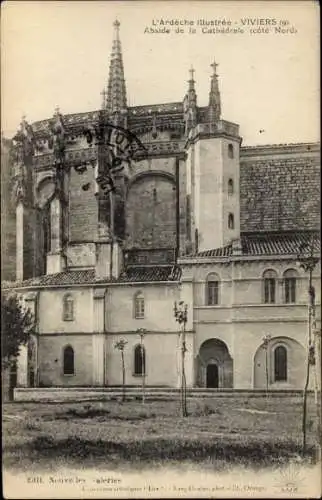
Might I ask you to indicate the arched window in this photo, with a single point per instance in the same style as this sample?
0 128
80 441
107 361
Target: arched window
280 364
68 308
290 286
212 291
231 223
68 360
139 305
139 360
196 241
269 286
188 217
230 151
46 227
230 187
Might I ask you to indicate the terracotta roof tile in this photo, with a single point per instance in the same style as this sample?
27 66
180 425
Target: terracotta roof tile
282 243
135 274
166 273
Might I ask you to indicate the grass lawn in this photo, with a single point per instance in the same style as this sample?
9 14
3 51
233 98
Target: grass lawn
251 432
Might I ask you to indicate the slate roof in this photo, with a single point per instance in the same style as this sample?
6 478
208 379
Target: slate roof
81 277
267 244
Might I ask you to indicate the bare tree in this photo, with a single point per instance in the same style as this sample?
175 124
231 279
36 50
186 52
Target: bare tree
266 341
141 332
308 261
120 346
181 316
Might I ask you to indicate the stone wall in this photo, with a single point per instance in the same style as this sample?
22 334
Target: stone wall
8 218
246 287
83 209
151 213
51 311
50 352
280 192
158 308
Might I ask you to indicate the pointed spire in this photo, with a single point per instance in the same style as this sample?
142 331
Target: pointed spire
191 96
115 99
214 96
190 103
191 81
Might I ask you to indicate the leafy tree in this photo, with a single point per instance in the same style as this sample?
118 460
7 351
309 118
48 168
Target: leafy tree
17 325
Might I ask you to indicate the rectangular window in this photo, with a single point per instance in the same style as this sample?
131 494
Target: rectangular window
212 293
269 290
139 308
290 286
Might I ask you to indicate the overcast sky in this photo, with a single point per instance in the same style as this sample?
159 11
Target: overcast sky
57 53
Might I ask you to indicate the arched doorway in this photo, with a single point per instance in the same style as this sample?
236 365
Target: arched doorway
212 379
215 365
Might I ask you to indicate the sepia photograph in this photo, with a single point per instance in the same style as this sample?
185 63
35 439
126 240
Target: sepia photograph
160 249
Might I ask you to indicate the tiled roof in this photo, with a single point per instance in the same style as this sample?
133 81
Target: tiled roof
279 243
166 273
267 244
63 278
135 274
251 245
216 252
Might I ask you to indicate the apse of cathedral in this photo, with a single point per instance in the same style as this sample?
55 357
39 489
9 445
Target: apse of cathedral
164 203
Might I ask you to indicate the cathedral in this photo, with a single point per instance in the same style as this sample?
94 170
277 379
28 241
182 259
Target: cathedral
153 229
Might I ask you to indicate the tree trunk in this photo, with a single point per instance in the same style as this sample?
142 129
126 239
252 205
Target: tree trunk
143 373
183 381
266 363
123 377
307 369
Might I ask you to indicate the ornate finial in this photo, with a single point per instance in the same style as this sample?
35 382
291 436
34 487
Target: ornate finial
214 96
57 110
214 66
116 25
190 103
23 118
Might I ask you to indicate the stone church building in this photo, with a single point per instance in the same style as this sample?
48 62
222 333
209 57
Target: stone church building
121 212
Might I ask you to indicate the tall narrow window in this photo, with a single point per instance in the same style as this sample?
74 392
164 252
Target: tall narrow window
231 223
280 364
230 151
188 217
269 282
139 307
212 291
290 286
68 308
139 360
196 241
230 187
69 360
46 225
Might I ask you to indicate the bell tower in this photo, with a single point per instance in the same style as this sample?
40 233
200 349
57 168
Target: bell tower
213 169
